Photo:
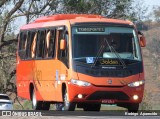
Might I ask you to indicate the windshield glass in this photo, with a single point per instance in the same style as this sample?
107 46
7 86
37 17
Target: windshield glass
88 42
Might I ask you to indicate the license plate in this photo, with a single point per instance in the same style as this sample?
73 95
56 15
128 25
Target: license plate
108 101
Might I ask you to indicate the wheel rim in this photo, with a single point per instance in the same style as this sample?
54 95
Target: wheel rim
34 100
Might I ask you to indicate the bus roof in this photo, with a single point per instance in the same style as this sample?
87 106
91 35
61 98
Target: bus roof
62 19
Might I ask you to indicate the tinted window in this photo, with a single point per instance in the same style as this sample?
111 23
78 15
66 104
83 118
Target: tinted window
22 45
22 40
33 46
40 44
50 43
30 38
4 97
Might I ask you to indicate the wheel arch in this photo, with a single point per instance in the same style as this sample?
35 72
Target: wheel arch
31 88
64 87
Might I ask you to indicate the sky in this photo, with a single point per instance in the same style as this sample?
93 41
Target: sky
151 3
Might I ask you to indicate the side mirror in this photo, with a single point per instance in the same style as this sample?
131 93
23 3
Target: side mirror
63 44
142 39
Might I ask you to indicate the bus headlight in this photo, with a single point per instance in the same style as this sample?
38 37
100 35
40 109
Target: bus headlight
136 84
79 82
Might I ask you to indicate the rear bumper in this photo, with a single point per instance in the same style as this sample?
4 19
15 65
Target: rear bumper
105 94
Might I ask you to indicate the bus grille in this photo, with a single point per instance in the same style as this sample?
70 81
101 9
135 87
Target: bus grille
109 73
117 95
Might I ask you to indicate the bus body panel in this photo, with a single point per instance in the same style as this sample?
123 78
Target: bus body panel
45 78
24 76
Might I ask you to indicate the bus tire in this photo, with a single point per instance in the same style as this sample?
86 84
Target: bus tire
36 105
92 107
68 106
59 106
133 107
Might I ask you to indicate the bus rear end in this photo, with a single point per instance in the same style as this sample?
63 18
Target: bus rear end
107 66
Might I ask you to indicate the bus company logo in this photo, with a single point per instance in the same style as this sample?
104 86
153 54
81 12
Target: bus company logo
109 62
109 81
6 113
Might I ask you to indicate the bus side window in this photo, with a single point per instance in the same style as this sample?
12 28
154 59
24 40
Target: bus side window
51 50
48 37
40 44
63 54
33 47
30 38
22 41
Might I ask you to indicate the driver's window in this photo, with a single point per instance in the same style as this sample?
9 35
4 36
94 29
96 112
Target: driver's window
63 55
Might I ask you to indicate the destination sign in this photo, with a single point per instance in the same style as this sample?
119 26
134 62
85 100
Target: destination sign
91 29
109 62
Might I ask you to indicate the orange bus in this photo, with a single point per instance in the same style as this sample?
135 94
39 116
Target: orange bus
80 60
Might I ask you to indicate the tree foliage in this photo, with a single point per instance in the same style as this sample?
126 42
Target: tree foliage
156 13
108 8
7 17
33 9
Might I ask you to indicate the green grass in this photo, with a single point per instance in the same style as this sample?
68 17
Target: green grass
27 105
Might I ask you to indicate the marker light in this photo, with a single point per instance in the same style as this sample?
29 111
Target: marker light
79 82
136 84
135 97
80 96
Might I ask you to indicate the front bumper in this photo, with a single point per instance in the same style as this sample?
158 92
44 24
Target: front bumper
105 94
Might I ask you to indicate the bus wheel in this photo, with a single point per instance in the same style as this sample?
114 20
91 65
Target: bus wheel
69 106
132 107
59 106
36 105
92 107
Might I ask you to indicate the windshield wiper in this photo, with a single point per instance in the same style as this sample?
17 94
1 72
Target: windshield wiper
98 54
116 53
112 50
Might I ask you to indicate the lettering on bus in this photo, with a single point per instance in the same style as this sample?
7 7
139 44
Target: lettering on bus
109 62
91 29
37 75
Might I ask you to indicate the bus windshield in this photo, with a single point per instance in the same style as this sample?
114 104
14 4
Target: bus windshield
90 42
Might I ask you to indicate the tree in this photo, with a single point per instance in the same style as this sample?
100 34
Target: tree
156 13
76 6
2 2
33 9
109 8
139 10
7 19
